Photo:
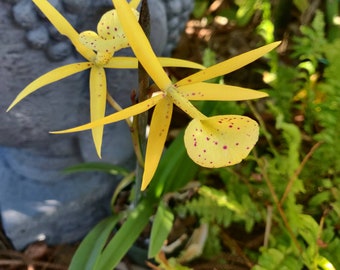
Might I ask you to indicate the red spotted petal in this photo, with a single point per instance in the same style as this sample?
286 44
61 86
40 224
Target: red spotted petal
220 141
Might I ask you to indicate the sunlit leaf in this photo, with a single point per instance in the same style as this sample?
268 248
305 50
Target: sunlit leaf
220 140
167 177
160 230
125 237
97 166
92 245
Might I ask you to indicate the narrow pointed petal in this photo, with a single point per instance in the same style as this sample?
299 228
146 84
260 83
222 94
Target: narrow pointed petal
229 65
175 62
122 62
140 44
220 141
158 132
97 103
50 77
132 62
212 91
64 27
118 116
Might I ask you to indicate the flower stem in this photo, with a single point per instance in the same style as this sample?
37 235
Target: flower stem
140 121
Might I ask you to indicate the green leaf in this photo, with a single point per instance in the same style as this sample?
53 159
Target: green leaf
97 166
200 8
125 237
309 229
302 5
92 245
160 229
168 176
246 10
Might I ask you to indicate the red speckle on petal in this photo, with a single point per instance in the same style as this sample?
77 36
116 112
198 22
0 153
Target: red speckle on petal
208 139
225 147
237 144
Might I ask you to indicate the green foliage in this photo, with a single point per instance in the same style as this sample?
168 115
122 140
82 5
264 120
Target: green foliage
311 45
289 187
91 247
168 179
160 230
213 244
246 10
215 206
295 170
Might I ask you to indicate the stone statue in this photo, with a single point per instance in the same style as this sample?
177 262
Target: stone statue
37 200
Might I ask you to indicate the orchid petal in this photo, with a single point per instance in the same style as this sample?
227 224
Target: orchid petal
159 127
94 42
175 62
109 28
50 77
229 65
220 141
104 48
63 26
115 117
97 103
140 44
182 102
132 62
211 91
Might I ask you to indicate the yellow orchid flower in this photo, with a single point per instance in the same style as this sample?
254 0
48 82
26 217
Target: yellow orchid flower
216 141
98 50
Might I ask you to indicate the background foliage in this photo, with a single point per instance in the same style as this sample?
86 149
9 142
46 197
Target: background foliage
280 208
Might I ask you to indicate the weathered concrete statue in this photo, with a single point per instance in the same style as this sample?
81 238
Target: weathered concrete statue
37 200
